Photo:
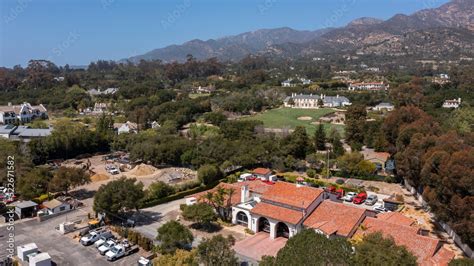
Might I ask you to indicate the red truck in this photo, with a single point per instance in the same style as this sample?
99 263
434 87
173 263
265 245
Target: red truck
360 198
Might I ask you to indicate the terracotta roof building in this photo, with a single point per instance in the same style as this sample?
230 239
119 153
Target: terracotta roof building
333 218
428 250
292 195
396 218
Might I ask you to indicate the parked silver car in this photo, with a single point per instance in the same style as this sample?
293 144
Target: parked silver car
371 200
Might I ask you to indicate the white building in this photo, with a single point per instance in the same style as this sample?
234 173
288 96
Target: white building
127 127
24 113
313 101
384 106
454 103
108 91
100 108
368 86
55 206
296 81
276 208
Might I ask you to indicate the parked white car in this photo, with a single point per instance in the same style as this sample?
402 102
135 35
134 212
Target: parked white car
379 208
349 196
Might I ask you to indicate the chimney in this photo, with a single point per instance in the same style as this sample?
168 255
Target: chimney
244 193
9 104
337 96
459 100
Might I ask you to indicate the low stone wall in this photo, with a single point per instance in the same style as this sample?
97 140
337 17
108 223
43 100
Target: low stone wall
47 217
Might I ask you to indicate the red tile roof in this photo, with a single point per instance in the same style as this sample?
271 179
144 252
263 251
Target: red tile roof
333 217
395 218
278 213
423 247
441 258
259 245
262 171
290 194
255 186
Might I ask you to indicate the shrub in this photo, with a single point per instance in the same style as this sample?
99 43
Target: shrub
311 173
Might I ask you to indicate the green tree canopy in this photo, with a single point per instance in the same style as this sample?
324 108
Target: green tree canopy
354 164
158 190
309 248
172 236
200 213
118 196
66 178
320 138
208 174
179 258
217 251
297 143
376 250
355 124
33 183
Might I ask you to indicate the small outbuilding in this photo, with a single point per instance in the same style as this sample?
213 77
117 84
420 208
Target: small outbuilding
24 250
40 259
25 209
262 173
55 206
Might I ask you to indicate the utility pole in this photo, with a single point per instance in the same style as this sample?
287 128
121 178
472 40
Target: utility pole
327 165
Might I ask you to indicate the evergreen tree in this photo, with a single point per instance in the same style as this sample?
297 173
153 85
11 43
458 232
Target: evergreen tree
320 138
377 250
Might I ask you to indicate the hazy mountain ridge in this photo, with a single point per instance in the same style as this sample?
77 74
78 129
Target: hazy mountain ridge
447 29
231 47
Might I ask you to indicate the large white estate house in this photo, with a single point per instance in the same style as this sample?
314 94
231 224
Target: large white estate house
314 101
24 113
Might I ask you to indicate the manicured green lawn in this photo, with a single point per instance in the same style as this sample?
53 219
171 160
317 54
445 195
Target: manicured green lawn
288 118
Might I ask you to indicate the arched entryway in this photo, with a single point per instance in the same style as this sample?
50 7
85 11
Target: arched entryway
263 225
242 218
282 230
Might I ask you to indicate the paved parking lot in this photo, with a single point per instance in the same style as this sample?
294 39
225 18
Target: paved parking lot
62 248
381 197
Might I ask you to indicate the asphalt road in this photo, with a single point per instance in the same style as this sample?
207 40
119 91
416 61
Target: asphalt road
158 215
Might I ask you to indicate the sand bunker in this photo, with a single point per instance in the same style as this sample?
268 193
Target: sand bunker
143 170
305 118
99 177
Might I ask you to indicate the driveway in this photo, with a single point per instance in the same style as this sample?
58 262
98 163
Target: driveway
152 218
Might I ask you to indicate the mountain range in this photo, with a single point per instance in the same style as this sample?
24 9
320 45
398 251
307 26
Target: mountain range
445 31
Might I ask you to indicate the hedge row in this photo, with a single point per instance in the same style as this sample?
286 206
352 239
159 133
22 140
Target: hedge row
178 195
319 183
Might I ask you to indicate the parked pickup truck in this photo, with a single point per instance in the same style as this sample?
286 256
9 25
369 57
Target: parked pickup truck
106 247
103 239
121 250
92 236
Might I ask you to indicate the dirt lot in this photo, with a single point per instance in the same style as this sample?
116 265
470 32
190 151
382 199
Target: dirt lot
144 173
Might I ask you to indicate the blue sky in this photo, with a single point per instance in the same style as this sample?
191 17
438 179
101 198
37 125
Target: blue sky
80 31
